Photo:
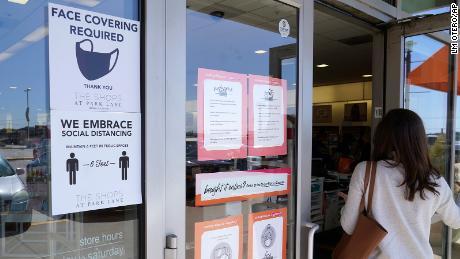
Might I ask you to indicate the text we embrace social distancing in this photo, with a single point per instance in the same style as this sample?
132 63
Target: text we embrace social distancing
117 128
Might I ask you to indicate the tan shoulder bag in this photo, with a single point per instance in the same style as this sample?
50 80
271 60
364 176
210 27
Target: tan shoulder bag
368 232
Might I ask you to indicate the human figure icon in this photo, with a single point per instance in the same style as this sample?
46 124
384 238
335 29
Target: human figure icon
72 168
123 163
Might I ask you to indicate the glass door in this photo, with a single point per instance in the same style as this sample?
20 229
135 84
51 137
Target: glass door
241 121
429 91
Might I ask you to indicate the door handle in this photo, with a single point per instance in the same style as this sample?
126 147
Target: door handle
312 228
171 247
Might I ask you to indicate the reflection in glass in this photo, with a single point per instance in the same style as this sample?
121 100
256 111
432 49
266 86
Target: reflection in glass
456 183
27 229
421 7
239 39
426 91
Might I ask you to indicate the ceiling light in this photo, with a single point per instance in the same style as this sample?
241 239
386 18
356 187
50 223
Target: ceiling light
322 65
260 51
13 87
18 1
366 75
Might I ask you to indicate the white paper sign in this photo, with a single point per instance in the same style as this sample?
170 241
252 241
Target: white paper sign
267 234
219 239
268 116
95 160
94 61
222 115
220 243
223 187
242 185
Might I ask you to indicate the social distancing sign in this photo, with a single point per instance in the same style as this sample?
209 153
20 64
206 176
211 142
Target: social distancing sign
95 114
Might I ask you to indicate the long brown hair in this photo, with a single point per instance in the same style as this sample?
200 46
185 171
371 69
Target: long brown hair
400 137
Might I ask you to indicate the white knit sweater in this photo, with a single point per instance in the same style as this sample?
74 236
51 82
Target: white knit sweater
407 222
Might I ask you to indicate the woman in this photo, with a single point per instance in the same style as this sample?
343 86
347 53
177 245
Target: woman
408 190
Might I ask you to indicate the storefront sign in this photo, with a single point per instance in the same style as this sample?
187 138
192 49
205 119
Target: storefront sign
222 127
95 110
218 239
95 160
267 116
225 187
94 61
267 234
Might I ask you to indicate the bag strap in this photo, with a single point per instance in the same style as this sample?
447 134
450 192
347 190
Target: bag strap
366 183
371 188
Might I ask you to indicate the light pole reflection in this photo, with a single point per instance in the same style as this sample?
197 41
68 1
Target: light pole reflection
27 114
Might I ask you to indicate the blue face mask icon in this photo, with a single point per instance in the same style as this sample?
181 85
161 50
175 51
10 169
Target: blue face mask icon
94 65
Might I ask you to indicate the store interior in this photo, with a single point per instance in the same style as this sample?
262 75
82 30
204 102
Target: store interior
342 105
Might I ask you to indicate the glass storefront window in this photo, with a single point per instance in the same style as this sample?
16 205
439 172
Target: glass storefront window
241 123
426 92
421 7
27 229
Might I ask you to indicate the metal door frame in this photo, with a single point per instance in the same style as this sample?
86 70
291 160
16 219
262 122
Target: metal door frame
165 80
395 53
395 87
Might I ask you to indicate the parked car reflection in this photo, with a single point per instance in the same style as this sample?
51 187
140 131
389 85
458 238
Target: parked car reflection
14 200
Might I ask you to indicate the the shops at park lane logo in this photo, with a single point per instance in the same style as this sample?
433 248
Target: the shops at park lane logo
223 91
94 65
269 95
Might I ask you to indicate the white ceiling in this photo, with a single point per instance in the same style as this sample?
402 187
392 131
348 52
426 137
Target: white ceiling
347 63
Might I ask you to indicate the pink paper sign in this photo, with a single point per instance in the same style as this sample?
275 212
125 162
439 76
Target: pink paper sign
222 106
267 116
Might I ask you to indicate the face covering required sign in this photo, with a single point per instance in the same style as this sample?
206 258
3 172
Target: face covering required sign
94 110
94 61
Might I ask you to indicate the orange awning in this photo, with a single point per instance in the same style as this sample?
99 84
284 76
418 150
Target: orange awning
433 73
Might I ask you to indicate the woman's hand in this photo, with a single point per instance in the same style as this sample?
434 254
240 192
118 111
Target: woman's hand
343 195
